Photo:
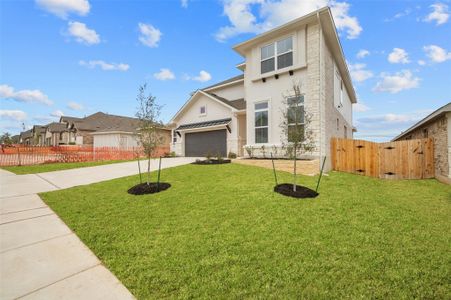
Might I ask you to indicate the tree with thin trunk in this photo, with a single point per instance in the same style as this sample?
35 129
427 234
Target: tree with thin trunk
149 134
297 134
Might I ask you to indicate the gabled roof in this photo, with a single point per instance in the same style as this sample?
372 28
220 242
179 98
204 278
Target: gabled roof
39 129
237 104
324 16
234 79
26 134
68 119
431 117
56 127
220 100
102 122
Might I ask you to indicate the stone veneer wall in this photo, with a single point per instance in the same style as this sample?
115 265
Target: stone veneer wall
312 104
330 112
438 131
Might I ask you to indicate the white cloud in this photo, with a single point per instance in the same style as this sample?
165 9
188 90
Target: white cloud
104 65
74 106
345 22
202 77
360 107
421 62
398 56
62 8
27 96
57 113
83 34
184 3
393 118
363 53
437 54
164 74
14 115
359 72
397 82
150 36
439 14
273 13
404 13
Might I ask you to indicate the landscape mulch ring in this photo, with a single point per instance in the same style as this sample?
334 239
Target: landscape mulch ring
212 162
286 189
151 188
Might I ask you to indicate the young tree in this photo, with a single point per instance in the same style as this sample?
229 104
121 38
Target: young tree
149 136
5 139
296 127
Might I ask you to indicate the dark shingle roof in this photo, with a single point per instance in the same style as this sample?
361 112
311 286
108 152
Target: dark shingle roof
56 127
69 119
235 78
26 134
102 122
204 124
39 129
442 110
237 104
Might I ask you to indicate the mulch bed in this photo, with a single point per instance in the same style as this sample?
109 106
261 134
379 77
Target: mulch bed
211 162
151 188
286 189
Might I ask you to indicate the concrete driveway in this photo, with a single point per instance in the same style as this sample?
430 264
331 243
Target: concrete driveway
40 257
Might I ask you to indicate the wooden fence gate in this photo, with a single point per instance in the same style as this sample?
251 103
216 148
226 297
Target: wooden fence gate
410 159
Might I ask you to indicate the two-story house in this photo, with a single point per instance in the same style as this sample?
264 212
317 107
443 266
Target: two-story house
247 111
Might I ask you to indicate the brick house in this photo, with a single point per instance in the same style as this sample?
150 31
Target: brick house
437 126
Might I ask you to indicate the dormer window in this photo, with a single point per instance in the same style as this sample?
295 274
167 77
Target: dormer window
277 55
203 110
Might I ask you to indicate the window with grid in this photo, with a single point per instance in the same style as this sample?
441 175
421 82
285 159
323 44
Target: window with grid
278 55
296 118
261 122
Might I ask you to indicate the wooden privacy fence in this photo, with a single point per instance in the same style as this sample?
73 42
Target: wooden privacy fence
33 155
410 159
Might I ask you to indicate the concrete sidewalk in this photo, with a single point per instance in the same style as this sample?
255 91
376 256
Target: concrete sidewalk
40 257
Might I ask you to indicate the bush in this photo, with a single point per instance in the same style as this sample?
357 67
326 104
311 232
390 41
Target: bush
231 155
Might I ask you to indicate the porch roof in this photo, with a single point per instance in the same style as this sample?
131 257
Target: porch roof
204 124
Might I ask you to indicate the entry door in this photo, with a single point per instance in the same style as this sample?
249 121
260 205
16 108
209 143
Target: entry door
200 144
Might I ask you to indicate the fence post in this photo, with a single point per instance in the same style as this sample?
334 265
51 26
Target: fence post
18 156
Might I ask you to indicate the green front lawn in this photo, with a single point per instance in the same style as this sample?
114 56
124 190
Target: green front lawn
220 232
20 170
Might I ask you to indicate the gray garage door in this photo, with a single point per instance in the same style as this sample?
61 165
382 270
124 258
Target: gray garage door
208 142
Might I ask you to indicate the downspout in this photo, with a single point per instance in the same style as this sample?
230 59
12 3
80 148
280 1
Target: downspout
320 86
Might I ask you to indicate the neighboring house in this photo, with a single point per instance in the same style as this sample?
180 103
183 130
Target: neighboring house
98 130
26 137
246 110
56 134
38 135
437 126
105 130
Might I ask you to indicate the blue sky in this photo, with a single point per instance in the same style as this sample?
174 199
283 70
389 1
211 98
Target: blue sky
77 57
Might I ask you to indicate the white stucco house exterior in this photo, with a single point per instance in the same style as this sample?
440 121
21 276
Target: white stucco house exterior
246 110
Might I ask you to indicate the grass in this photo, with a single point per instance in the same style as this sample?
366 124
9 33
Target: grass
21 170
220 232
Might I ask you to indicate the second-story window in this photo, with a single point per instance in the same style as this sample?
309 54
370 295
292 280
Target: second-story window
278 55
285 53
267 59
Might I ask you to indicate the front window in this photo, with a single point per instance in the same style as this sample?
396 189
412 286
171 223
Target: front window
296 118
203 110
261 122
278 55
